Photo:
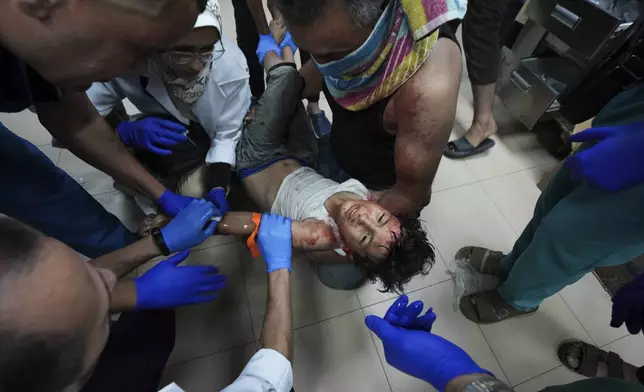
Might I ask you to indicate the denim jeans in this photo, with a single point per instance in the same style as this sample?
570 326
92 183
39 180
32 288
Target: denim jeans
36 192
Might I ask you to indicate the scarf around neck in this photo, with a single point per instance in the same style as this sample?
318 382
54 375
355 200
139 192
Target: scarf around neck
398 46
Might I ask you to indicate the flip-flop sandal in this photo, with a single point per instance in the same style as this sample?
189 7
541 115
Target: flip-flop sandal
462 148
589 357
488 307
483 260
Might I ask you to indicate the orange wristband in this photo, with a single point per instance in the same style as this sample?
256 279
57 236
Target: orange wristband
251 243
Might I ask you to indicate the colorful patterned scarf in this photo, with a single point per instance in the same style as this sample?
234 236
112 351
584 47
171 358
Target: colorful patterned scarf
397 47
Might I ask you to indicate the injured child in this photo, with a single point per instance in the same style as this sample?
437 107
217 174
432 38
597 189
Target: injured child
274 159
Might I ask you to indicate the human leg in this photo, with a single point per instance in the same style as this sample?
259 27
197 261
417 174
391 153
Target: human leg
590 361
321 124
587 229
597 385
247 39
42 195
482 28
136 353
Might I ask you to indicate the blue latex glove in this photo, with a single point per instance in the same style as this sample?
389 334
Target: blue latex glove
274 242
172 204
266 44
153 134
401 314
191 227
420 353
628 306
217 196
615 162
288 41
169 285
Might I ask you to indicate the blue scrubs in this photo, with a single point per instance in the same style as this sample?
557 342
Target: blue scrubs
34 191
576 228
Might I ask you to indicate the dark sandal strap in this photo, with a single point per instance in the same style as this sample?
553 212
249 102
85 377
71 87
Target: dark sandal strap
590 357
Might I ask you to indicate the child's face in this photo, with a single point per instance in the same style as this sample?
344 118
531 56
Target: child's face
367 228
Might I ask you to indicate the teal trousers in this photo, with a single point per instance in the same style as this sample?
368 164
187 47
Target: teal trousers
574 229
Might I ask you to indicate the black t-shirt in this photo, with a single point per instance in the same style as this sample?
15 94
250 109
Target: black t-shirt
20 85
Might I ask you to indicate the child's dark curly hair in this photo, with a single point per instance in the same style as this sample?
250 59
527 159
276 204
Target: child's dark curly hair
410 254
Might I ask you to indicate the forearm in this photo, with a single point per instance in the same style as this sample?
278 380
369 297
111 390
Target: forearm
460 384
259 16
123 296
308 235
313 81
126 260
277 331
76 124
403 200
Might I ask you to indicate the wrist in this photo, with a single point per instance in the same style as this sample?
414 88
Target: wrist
160 241
124 296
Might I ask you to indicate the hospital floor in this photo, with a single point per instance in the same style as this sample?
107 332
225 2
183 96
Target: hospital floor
485 200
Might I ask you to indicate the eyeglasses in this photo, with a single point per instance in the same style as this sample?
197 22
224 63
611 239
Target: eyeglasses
183 58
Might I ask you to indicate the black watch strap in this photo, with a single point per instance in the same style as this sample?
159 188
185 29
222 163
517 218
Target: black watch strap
157 236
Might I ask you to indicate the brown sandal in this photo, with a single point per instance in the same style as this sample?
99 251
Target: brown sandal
488 307
589 357
484 261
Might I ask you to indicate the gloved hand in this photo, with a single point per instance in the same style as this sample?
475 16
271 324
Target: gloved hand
152 134
167 285
628 306
421 354
288 41
402 315
615 162
191 227
266 44
217 196
274 242
172 204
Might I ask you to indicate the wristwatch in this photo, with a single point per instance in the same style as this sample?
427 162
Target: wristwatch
488 385
157 236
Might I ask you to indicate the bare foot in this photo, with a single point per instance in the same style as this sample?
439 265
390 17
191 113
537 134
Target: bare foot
481 130
277 29
152 221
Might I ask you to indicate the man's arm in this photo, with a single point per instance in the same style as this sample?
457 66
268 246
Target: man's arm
126 260
277 332
313 81
75 123
424 111
257 9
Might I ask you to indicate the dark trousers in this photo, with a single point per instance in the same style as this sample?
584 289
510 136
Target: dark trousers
483 28
247 39
136 353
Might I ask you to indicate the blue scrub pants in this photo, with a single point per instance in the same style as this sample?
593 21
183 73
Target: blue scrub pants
575 228
36 192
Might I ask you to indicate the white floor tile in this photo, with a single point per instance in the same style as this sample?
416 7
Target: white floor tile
370 293
451 325
93 180
466 216
123 207
515 195
218 325
504 158
527 346
630 348
452 173
311 300
338 355
52 153
528 142
211 373
465 92
464 113
592 305
558 376
26 125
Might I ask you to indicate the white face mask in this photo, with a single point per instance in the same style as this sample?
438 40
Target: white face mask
185 89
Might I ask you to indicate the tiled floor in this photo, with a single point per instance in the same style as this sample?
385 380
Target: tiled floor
485 200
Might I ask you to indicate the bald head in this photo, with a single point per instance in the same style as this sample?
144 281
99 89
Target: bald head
53 312
73 43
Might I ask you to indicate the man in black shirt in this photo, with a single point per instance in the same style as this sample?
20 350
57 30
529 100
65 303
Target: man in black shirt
50 51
